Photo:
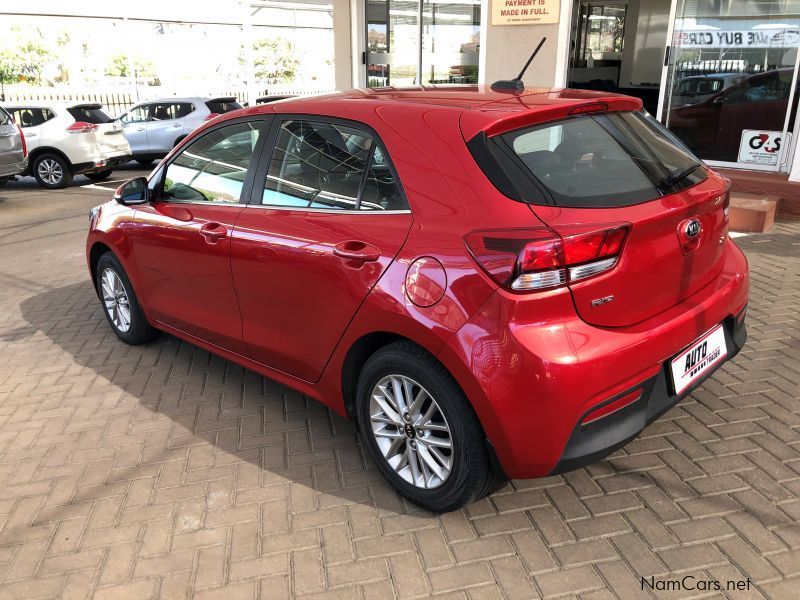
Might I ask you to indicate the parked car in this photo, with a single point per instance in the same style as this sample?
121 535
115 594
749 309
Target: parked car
13 150
714 127
65 140
490 284
697 88
155 127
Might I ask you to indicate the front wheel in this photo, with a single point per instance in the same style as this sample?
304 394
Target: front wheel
119 302
420 429
52 171
99 175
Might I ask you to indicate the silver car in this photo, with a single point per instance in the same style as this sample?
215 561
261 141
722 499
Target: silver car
13 152
155 127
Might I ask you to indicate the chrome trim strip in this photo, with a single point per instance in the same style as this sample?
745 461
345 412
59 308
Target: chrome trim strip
335 211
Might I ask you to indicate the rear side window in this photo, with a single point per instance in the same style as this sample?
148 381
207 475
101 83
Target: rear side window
31 117
222 105
325 165
170 111
603 160
90 114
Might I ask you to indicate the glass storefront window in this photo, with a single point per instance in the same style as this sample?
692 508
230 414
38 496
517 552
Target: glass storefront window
422 41
730 79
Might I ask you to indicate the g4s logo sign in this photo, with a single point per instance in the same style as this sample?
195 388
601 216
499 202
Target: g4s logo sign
760 141
761 147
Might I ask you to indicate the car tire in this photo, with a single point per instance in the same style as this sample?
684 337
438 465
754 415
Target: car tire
145 162
120 304
444 415
52 171
4 181
99 175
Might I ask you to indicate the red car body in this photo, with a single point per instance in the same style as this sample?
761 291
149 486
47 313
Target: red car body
556 380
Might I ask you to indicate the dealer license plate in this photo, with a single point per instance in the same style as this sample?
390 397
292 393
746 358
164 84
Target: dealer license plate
691 364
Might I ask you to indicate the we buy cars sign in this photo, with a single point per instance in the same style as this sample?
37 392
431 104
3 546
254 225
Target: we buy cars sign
713 33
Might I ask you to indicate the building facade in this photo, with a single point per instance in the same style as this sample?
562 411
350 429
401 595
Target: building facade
721 74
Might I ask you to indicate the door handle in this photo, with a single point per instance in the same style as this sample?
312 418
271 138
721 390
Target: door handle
356 250
140 129
213 232
177 126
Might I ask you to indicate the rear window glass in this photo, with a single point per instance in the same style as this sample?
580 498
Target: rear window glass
89 114
5 118
222 105
611 159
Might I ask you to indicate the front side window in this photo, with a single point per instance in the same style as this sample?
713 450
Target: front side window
213 168
611 159
326 165
137 115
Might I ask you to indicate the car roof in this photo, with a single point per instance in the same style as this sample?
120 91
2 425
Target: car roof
55 105
482 108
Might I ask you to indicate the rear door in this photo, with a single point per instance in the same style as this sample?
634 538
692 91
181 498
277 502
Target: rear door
11 149
327 217
165 126
619 169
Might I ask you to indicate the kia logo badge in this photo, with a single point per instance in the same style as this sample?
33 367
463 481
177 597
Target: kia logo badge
693 228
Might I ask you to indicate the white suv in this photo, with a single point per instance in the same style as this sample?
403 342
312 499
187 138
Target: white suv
67 139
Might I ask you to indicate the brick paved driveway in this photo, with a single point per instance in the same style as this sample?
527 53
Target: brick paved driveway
164 471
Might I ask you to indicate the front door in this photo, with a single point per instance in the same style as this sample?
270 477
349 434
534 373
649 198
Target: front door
183 238
327 218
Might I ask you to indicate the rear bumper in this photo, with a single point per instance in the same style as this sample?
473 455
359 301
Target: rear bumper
592 441
14 168
533 369
101 163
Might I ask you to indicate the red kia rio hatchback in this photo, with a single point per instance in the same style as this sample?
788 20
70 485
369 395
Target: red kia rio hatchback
490 284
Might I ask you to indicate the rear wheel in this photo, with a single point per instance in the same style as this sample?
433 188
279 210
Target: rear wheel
119 302
4 180
52 171
420 430
145 162
99 175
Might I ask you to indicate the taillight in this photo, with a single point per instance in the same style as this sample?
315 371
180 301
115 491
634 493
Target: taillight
82 127
24 143
541 258
211 116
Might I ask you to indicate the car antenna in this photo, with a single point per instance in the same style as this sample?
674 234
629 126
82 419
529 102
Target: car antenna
516 85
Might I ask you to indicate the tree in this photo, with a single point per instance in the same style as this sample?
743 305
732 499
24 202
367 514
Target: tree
120 64
275 59
23 63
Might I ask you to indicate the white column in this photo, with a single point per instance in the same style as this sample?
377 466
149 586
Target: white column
249 61
342 45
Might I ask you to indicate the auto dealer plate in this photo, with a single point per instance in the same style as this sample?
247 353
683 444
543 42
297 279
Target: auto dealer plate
691 364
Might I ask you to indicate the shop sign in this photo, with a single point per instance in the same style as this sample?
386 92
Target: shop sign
524 12
761 147
738 38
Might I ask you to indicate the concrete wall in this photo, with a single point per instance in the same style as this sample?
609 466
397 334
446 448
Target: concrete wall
507 48
342 45
645 38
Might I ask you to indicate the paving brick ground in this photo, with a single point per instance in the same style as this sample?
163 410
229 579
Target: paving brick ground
163 471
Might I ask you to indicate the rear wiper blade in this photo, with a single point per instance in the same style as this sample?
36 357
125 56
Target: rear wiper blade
674 178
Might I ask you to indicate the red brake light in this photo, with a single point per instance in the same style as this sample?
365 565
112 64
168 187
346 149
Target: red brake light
24 143
535 259
82 127
211 116
589 108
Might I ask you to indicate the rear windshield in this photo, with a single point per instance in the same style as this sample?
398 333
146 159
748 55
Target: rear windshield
603 160
89 114
5 118
222 105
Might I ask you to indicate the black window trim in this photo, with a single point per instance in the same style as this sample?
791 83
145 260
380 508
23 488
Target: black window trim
247 186
256 192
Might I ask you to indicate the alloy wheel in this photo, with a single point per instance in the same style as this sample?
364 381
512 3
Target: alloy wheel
411 431
50 171
116 301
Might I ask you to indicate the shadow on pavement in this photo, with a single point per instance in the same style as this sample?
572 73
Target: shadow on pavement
188 400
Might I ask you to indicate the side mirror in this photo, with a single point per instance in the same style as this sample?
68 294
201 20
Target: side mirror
133 192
